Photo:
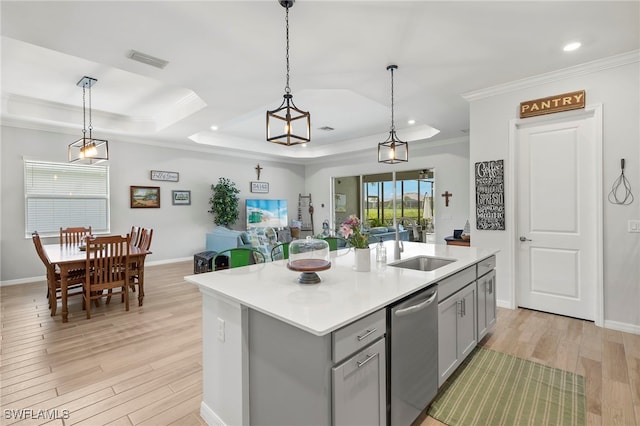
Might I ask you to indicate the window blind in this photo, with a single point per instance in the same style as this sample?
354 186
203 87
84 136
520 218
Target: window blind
63 195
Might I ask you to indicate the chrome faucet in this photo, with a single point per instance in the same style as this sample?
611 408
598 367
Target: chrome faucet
398 247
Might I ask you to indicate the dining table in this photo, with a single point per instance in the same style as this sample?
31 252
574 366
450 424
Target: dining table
68 257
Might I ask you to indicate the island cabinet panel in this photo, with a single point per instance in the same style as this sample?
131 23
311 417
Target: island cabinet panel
457 332
359 388
295 379
289 374
486 303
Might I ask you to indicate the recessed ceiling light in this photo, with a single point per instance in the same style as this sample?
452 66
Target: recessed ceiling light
214 127
411 122
304 145
570 47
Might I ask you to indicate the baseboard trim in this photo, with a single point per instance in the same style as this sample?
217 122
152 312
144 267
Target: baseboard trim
29 280
504 304
209 416
622 326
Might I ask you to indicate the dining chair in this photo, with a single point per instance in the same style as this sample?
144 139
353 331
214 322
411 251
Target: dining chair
107 268
75 278
135 235
279 252
73 235
241 256
136 268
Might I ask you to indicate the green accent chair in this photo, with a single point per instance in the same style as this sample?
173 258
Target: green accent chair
241 256
279 252
335 243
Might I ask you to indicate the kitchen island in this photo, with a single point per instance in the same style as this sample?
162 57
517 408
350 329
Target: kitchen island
269 343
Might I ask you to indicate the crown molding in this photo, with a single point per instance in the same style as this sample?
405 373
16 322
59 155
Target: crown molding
550 77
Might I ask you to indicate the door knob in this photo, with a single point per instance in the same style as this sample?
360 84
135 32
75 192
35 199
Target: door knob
523 239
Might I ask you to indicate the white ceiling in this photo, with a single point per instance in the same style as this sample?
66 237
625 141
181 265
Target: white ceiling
227 65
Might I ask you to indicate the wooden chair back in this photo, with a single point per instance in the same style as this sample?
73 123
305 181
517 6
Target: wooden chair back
107 268
241 256
135 235
37 242
279 252
73 235
144 242
75 278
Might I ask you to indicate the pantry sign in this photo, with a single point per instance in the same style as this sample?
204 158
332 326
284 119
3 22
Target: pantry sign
552 104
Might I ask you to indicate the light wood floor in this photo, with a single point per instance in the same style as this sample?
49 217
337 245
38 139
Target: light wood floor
144 366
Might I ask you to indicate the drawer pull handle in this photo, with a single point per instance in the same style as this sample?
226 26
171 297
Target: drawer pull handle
369 358
367 334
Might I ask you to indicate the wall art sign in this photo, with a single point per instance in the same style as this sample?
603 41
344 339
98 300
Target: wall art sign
166 176
260 187
490 195
553 104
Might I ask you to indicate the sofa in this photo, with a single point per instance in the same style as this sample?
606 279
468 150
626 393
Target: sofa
383 233
222 238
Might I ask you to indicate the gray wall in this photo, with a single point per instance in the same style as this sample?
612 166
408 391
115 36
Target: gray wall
179 231
449 159
615 84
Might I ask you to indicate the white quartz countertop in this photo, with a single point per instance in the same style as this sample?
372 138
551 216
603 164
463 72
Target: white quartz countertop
342 296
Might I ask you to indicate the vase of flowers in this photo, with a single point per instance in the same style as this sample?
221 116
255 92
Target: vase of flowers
351 231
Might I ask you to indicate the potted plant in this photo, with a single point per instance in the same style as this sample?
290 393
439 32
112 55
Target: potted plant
224 202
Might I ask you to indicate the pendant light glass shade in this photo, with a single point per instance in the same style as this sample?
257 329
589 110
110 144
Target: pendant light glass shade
393 150
288 124
87 149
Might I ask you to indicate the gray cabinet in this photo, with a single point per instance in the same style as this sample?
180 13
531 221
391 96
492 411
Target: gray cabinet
486 303
457 330
359 388
301 379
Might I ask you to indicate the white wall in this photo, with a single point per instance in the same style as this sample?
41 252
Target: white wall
450 161
614 83
179 231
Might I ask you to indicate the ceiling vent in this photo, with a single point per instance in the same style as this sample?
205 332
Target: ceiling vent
326 128
147 59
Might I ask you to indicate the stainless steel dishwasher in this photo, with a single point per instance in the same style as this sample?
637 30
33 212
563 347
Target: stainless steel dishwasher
412 370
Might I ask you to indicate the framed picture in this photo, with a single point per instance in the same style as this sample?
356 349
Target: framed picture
145 197
260 187
181 198
341 203
166 176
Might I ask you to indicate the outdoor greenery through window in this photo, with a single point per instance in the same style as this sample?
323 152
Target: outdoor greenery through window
63 195
414 197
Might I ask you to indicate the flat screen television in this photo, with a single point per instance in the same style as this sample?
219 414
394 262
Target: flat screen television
272 213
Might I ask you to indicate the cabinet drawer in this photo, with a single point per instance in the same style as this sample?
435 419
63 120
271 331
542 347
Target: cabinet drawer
452 284
357 335
486 265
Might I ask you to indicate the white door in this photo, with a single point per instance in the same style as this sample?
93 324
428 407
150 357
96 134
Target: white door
559 196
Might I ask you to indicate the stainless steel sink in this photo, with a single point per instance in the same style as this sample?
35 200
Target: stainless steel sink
422 263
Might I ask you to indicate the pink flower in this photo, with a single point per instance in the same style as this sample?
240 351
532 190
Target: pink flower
345 230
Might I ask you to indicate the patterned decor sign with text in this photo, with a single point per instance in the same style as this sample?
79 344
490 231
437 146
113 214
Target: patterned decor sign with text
490 195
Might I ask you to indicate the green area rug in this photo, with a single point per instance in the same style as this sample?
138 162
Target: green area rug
492 388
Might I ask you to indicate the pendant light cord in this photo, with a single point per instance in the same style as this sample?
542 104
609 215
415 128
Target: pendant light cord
393 126
287 89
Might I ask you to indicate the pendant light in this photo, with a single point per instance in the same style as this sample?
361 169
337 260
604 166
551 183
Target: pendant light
88 150
288 125
393 150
